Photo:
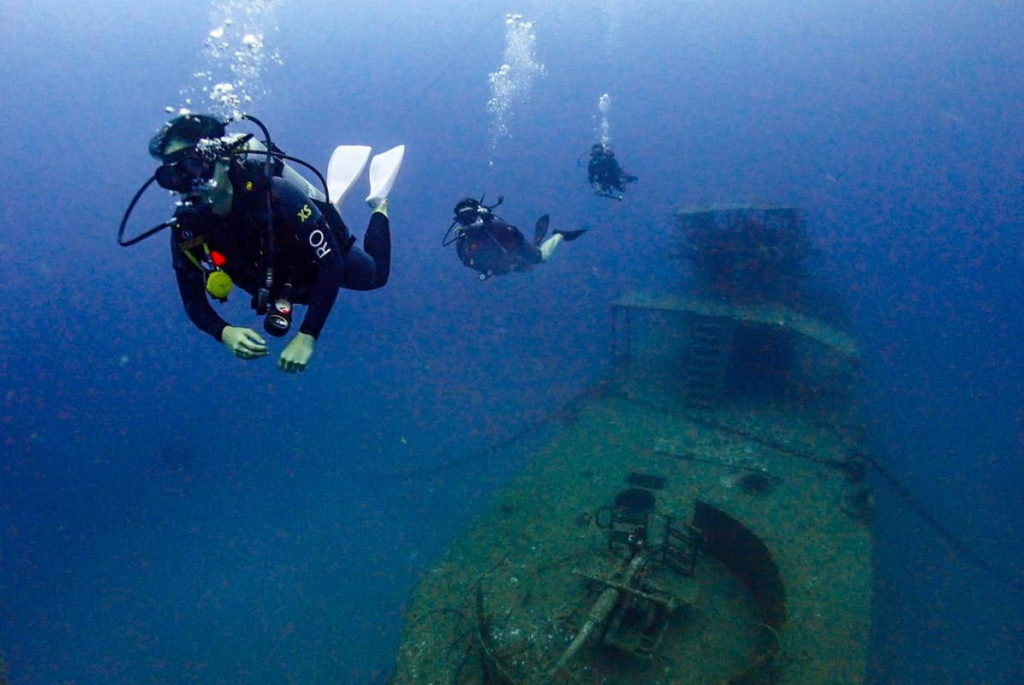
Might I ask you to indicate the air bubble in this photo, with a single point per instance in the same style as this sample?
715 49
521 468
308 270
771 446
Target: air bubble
235 57
512 83
604 105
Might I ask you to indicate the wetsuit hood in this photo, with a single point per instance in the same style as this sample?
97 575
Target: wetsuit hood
466 210
187 128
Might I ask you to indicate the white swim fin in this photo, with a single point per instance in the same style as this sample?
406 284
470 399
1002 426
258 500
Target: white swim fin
383 172
346 165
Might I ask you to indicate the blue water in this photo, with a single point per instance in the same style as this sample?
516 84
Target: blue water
169 514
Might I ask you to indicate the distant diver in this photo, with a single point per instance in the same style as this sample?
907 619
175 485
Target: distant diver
491 246
605 174
245 217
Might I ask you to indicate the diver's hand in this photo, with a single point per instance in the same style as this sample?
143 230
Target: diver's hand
296 355
244 343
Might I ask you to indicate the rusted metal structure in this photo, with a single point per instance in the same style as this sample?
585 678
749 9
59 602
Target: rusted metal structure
703 519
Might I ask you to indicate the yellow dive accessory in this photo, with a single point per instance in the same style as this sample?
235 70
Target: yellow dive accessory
219 284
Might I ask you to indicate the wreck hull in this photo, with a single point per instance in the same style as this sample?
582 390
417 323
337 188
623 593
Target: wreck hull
780 586
524 553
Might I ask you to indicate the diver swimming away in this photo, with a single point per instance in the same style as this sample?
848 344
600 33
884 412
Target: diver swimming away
491 246
245 217
604 173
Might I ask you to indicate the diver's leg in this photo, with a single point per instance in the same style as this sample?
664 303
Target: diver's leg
547 248
377 244
368 267
360 270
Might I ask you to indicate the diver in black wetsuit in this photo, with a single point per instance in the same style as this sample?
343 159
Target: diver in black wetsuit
229 220
605 174
491 246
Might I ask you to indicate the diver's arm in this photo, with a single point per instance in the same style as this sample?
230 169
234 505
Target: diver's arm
297 353
192 289
244 343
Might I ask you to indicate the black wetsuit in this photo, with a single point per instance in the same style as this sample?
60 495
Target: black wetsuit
606 174
495 247
314 254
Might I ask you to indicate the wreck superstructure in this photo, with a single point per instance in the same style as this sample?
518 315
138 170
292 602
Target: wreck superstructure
704 518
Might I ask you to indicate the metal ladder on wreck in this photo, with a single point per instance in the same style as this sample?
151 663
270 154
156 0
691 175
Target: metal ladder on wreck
709 350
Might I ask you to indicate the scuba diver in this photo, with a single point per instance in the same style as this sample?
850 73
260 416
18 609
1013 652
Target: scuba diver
605 174
491 246
244 217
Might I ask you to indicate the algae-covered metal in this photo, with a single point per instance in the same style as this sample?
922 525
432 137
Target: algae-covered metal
702 519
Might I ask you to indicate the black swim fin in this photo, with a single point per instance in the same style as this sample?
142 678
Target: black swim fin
569 236
540 230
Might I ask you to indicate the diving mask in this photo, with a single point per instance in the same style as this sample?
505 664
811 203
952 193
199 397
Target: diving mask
186 173
469 213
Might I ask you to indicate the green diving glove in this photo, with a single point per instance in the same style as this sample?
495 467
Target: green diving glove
297 353
244 343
